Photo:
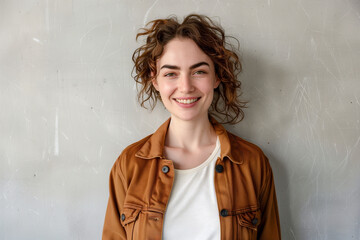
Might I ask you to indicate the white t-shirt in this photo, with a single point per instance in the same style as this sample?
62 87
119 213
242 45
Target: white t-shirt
192 211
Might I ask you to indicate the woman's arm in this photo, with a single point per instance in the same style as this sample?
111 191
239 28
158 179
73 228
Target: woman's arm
112 226
270 222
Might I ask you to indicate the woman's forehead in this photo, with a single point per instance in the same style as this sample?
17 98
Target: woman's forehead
183 52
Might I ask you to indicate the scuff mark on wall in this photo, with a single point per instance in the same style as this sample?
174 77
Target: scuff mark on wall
56 138
148 11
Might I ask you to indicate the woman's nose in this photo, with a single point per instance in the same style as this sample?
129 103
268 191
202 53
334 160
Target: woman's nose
185 84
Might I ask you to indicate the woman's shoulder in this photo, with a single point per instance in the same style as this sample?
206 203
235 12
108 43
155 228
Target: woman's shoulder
236 146
128 159
132 149
246 151
245 145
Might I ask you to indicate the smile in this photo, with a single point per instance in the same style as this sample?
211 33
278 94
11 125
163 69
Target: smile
186 101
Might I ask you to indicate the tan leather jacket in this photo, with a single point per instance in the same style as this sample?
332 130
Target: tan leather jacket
141 181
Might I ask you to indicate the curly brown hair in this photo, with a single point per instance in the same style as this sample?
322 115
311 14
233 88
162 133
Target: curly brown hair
212 40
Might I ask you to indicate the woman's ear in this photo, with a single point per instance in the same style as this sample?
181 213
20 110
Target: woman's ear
155 84
154 81
217 82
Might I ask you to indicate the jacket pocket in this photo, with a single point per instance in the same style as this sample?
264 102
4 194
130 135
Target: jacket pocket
141 222
128 219
248 221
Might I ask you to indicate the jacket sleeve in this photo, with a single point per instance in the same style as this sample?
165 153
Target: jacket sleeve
269 227
112 226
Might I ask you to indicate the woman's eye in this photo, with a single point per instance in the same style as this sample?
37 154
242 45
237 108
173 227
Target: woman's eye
169 75
199 72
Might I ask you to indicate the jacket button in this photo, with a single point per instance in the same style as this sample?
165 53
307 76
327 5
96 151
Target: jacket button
219 168
224 213
165 169
122 217
254 221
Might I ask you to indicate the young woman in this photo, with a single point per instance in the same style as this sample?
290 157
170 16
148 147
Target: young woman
191 179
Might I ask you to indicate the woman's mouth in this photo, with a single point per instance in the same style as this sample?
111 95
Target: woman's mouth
186 101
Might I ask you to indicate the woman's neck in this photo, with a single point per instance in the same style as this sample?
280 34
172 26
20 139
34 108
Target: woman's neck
190 135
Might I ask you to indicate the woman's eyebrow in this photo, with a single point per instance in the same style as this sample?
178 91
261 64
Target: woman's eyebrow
170 67
191 67
199 64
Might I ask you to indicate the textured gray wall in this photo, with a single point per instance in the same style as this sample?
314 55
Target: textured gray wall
68 108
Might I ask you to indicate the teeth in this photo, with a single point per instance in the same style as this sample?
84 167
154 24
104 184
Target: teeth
187 101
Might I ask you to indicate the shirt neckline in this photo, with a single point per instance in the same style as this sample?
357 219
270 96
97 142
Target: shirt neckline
205 163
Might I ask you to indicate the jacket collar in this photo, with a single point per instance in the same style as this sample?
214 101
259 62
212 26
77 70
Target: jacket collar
154 146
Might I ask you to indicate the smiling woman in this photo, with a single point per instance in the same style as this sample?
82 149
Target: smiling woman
211 39
185 80
191 179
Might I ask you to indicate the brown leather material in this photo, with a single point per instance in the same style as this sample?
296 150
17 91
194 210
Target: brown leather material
141 181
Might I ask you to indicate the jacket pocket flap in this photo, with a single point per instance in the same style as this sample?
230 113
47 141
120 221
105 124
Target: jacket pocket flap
129 215
250 219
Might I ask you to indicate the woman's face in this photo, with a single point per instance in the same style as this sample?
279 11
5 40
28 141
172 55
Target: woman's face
185 79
